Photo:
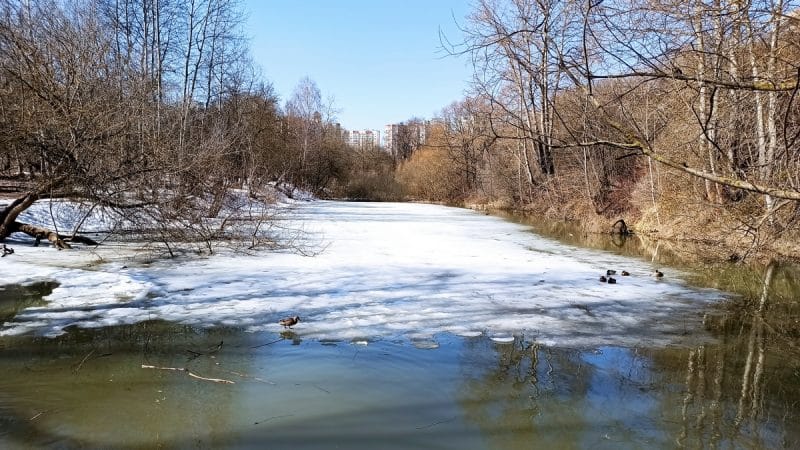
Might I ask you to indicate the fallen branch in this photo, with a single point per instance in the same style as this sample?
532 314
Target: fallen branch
58 240
244 375
436 423
188 372
196 354
88 357
83 361
272 418
268 343
39 414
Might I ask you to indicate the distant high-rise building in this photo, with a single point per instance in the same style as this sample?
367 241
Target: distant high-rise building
402 139
363 138
390 134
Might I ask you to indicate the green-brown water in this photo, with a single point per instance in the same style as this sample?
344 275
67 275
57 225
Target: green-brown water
89 389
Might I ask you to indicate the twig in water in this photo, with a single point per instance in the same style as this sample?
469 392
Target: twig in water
436 423
323 390
188 372
268 343
196 354
244 375
83 361
38 414
273 418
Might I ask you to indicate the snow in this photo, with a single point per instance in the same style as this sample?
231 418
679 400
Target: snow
383 271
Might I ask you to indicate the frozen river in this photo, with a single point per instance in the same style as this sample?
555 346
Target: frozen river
421 327
381 270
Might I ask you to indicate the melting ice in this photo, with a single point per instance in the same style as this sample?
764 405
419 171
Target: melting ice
384 271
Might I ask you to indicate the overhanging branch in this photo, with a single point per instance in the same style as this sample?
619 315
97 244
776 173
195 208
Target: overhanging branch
632 142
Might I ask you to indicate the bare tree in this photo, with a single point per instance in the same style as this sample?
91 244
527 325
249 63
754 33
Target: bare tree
515 46
648 54
96 112
315 141
468 139
304 111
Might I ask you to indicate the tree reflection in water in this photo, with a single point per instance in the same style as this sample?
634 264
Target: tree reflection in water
558 398
741 391
745 391
86 389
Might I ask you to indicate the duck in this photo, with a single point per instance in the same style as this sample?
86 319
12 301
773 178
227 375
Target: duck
603 278
658 274
611 272
612 280
289 322
625 273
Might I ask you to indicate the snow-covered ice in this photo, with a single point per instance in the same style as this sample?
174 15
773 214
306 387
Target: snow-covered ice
385 271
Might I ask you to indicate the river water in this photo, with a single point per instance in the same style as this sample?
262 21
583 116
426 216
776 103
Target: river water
711 372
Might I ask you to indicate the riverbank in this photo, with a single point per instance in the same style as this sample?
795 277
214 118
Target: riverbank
765 291
711 235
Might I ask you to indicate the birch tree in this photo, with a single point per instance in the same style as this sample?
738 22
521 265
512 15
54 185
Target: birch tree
516 46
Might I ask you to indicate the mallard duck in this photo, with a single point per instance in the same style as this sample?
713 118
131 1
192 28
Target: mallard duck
289 322
658 274
611 272
625 273
612 280
603 278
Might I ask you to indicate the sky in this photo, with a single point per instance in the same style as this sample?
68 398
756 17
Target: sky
381 61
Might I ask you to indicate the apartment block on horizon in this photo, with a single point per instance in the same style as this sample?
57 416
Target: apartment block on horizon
363 138
401 139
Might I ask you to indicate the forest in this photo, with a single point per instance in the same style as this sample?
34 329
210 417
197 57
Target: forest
153 111
681 118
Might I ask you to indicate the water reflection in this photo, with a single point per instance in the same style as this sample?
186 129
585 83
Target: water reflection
88 389
14 298
560 398
740 392
291 336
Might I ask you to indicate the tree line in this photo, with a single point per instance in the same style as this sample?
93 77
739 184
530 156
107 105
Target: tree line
677 115
153 110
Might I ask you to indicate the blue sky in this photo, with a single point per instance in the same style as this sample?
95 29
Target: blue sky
380 60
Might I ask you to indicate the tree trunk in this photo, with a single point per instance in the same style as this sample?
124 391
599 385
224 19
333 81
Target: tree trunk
9 225
41 233
59 241
8 216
